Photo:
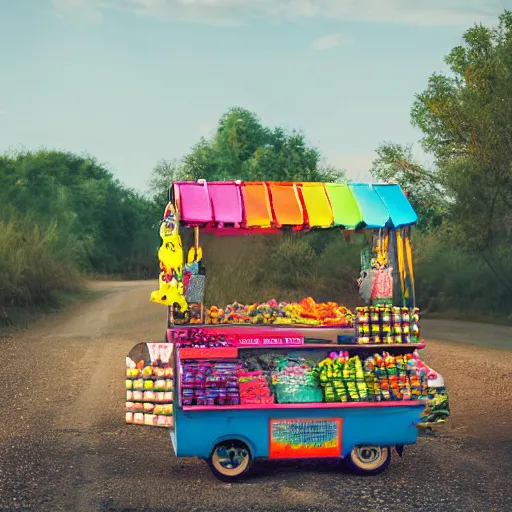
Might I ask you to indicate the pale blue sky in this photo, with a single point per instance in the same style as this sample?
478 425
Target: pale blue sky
134 81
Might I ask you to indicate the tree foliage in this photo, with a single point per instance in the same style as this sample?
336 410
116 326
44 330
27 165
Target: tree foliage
395 163
465 117
242 148
107 223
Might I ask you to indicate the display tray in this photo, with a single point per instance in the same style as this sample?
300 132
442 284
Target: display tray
310 405
232 352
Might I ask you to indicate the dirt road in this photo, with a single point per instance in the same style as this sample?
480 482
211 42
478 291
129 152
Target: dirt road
64 445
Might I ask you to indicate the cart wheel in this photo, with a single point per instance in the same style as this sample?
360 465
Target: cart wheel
369 460
230 460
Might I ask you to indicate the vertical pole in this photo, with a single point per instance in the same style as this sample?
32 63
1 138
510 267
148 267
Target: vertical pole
196 241
196 252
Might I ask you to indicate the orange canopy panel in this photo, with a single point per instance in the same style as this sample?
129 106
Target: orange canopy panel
286 204
317 205
257 211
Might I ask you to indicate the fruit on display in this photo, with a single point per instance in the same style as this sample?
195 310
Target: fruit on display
306 312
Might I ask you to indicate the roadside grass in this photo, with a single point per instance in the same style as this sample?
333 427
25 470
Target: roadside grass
39 268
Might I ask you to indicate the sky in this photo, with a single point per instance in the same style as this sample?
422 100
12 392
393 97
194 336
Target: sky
134 81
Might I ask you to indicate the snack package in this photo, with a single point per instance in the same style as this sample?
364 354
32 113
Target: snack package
390 365
158 372
161 421
159 385
413 377
371 380
403 381
149 419
382 377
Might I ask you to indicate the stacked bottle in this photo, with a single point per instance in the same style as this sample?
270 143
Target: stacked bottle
386 325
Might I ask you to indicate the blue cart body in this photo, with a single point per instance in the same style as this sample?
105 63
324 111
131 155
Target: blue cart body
197 432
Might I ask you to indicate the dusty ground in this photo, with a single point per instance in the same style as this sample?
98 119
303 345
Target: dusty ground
64 445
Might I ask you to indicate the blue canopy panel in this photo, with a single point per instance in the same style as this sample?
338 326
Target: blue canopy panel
373 210
401 213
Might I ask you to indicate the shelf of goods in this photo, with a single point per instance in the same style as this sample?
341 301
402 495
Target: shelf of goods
306 375
150 385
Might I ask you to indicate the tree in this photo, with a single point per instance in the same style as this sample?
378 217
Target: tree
163 174
395 163
465 117
242 148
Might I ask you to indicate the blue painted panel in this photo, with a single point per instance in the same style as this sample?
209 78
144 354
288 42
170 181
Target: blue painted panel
373 210
197 432
400 210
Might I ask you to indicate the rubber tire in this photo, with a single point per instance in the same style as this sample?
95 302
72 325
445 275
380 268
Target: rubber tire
357 466
225 474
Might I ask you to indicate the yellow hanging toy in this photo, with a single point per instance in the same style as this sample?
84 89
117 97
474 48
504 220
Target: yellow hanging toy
170 254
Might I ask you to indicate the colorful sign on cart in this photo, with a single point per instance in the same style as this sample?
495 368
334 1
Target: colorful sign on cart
264 341
305 438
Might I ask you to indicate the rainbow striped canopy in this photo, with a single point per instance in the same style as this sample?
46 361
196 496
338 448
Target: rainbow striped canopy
269 206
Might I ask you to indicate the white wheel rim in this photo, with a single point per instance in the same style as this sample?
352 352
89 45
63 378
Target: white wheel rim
230 460
369 458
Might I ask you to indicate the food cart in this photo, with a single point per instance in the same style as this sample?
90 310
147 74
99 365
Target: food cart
286 383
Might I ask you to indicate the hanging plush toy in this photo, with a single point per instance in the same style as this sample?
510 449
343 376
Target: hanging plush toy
171 290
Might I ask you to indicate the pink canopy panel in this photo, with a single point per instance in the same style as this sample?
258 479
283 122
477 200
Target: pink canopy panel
226 203
193 202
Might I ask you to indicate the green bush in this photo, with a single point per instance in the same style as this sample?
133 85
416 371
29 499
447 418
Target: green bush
259 268
37 264
451 281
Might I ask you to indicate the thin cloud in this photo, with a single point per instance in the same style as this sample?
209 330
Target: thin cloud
459 13
357 165
206 129
331 41
89 10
